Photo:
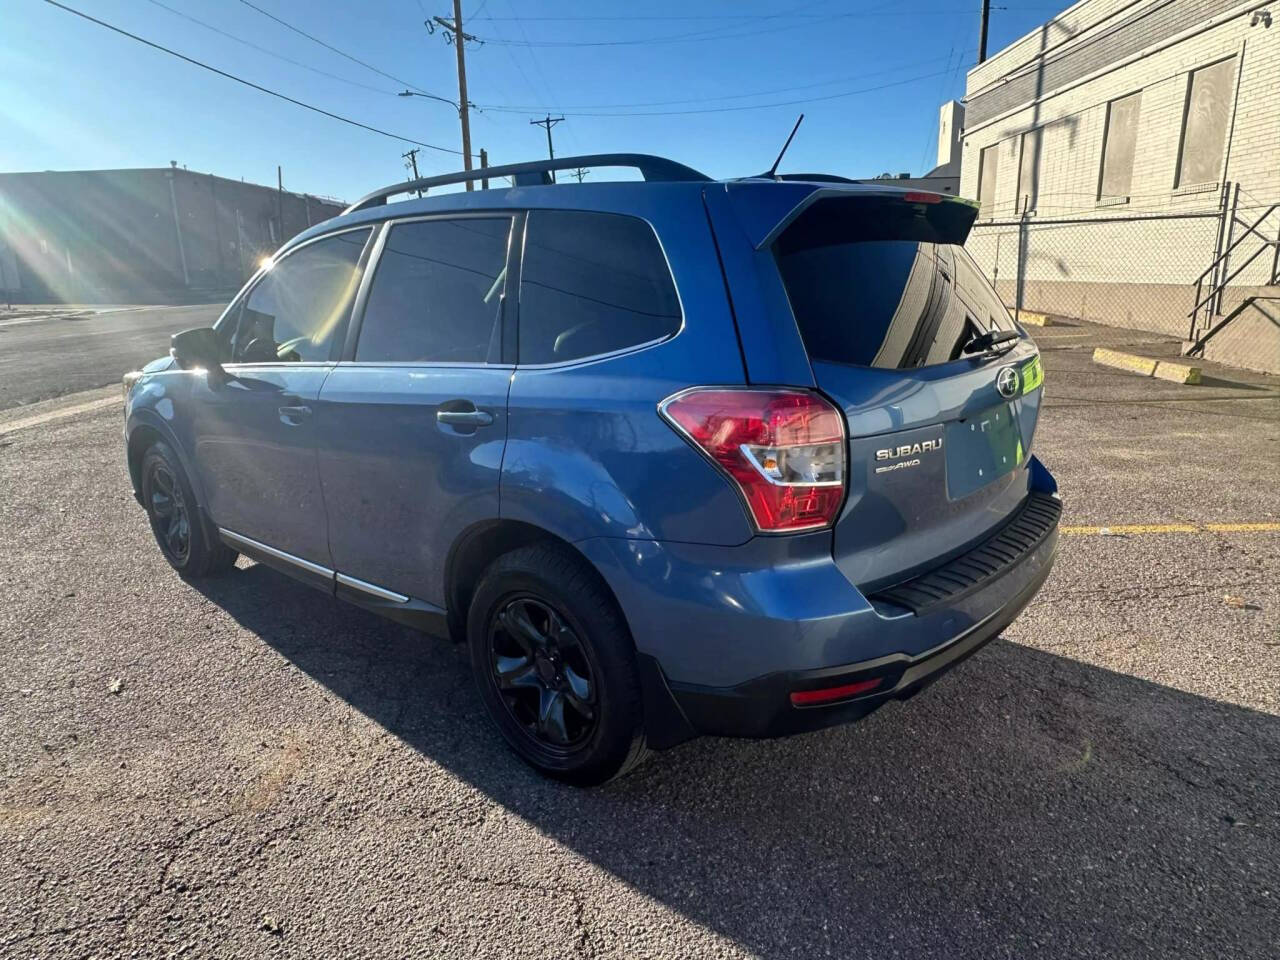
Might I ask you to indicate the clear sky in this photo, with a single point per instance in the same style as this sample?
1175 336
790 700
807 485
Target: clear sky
716 85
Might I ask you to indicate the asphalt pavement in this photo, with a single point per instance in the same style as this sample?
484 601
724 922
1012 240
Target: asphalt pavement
44 356
245 767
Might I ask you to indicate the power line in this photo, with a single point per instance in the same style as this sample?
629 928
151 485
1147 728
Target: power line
248 83
915 11
269 52
756 106
525 108
719 33
343 53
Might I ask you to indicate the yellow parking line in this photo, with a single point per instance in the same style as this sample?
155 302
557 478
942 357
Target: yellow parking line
1132 528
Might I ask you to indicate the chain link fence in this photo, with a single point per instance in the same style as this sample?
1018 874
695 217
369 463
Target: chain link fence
1175 272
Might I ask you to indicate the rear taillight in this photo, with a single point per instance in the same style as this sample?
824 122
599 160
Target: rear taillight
783 448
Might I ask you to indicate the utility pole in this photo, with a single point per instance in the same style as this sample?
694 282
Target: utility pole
580 173
280 201
412 157
453 33
484 163
549 122
982 30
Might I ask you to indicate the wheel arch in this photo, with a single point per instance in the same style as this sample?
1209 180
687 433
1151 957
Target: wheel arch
143 433
482 543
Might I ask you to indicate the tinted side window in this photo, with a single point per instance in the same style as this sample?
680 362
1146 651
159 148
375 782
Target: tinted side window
301 305
437 293
592 283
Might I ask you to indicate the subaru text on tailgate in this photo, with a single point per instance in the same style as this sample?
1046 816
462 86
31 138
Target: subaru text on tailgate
672 457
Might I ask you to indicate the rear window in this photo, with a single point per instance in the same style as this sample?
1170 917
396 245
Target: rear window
592 283
875 288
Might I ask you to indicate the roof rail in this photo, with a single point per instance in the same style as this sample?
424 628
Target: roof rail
537 172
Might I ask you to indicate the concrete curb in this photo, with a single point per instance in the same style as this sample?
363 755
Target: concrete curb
1030 318
1169 370
1177 372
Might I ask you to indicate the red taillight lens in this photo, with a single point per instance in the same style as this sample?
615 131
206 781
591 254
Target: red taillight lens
784 449
922 198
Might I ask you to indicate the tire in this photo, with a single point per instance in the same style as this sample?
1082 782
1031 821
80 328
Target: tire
579 655
175 517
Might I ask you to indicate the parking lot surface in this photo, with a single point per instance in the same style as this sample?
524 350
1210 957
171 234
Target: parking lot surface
245 767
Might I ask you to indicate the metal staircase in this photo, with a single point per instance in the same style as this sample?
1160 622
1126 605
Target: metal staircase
1206 317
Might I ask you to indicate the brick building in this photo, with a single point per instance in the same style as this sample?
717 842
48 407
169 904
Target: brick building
140 236
1123 149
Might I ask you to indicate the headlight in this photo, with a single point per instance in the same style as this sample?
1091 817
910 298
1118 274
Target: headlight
128 380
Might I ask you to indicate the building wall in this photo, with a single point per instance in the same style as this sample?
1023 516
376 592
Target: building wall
1132 259
113 236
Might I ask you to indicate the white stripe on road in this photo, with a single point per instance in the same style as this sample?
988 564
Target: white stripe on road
66 315
60 414
43 316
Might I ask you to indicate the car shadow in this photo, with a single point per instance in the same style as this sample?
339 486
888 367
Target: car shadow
1025 804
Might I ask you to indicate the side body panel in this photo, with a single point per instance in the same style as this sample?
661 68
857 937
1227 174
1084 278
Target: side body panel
401 486
587 453
257 460
772 349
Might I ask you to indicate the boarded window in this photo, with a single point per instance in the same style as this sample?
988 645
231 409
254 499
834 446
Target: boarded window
1118 146
988 162
1204 126
1029 170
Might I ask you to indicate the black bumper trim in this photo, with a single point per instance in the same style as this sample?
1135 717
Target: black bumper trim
1035 520
762 707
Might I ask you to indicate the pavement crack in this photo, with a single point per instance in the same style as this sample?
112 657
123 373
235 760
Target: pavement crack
176 848
62 931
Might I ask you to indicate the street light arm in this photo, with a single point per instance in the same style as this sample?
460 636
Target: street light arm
430 96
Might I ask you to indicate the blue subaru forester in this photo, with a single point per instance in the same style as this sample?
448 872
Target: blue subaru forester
673 457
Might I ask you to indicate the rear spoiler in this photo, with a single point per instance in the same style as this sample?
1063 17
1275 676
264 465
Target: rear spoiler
767 207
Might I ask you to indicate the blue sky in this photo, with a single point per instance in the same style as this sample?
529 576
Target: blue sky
656 77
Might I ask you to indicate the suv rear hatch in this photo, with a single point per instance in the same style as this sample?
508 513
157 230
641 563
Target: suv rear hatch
891 311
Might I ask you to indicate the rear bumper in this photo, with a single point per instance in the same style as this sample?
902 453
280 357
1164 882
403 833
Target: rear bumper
725 635
762 707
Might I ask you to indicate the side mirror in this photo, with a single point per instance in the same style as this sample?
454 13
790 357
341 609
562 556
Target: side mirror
197 348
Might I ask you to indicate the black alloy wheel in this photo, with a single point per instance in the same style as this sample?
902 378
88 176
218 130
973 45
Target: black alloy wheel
169 513
555 665
543 673
175 516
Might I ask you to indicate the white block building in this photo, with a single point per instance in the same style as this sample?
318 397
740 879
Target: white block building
1121 150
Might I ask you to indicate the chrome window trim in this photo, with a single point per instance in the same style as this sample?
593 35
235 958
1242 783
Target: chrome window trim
241 540
595 357
366 279
426 364
282 364
382 593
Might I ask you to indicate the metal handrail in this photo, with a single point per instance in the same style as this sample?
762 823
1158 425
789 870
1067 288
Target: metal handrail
1266 245
650 167
1227 252
1198 346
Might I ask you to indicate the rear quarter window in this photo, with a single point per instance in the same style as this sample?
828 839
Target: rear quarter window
591 284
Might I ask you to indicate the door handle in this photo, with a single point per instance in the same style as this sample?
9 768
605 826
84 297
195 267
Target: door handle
464 418
293 416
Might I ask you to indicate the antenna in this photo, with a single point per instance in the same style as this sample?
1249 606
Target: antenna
774 169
